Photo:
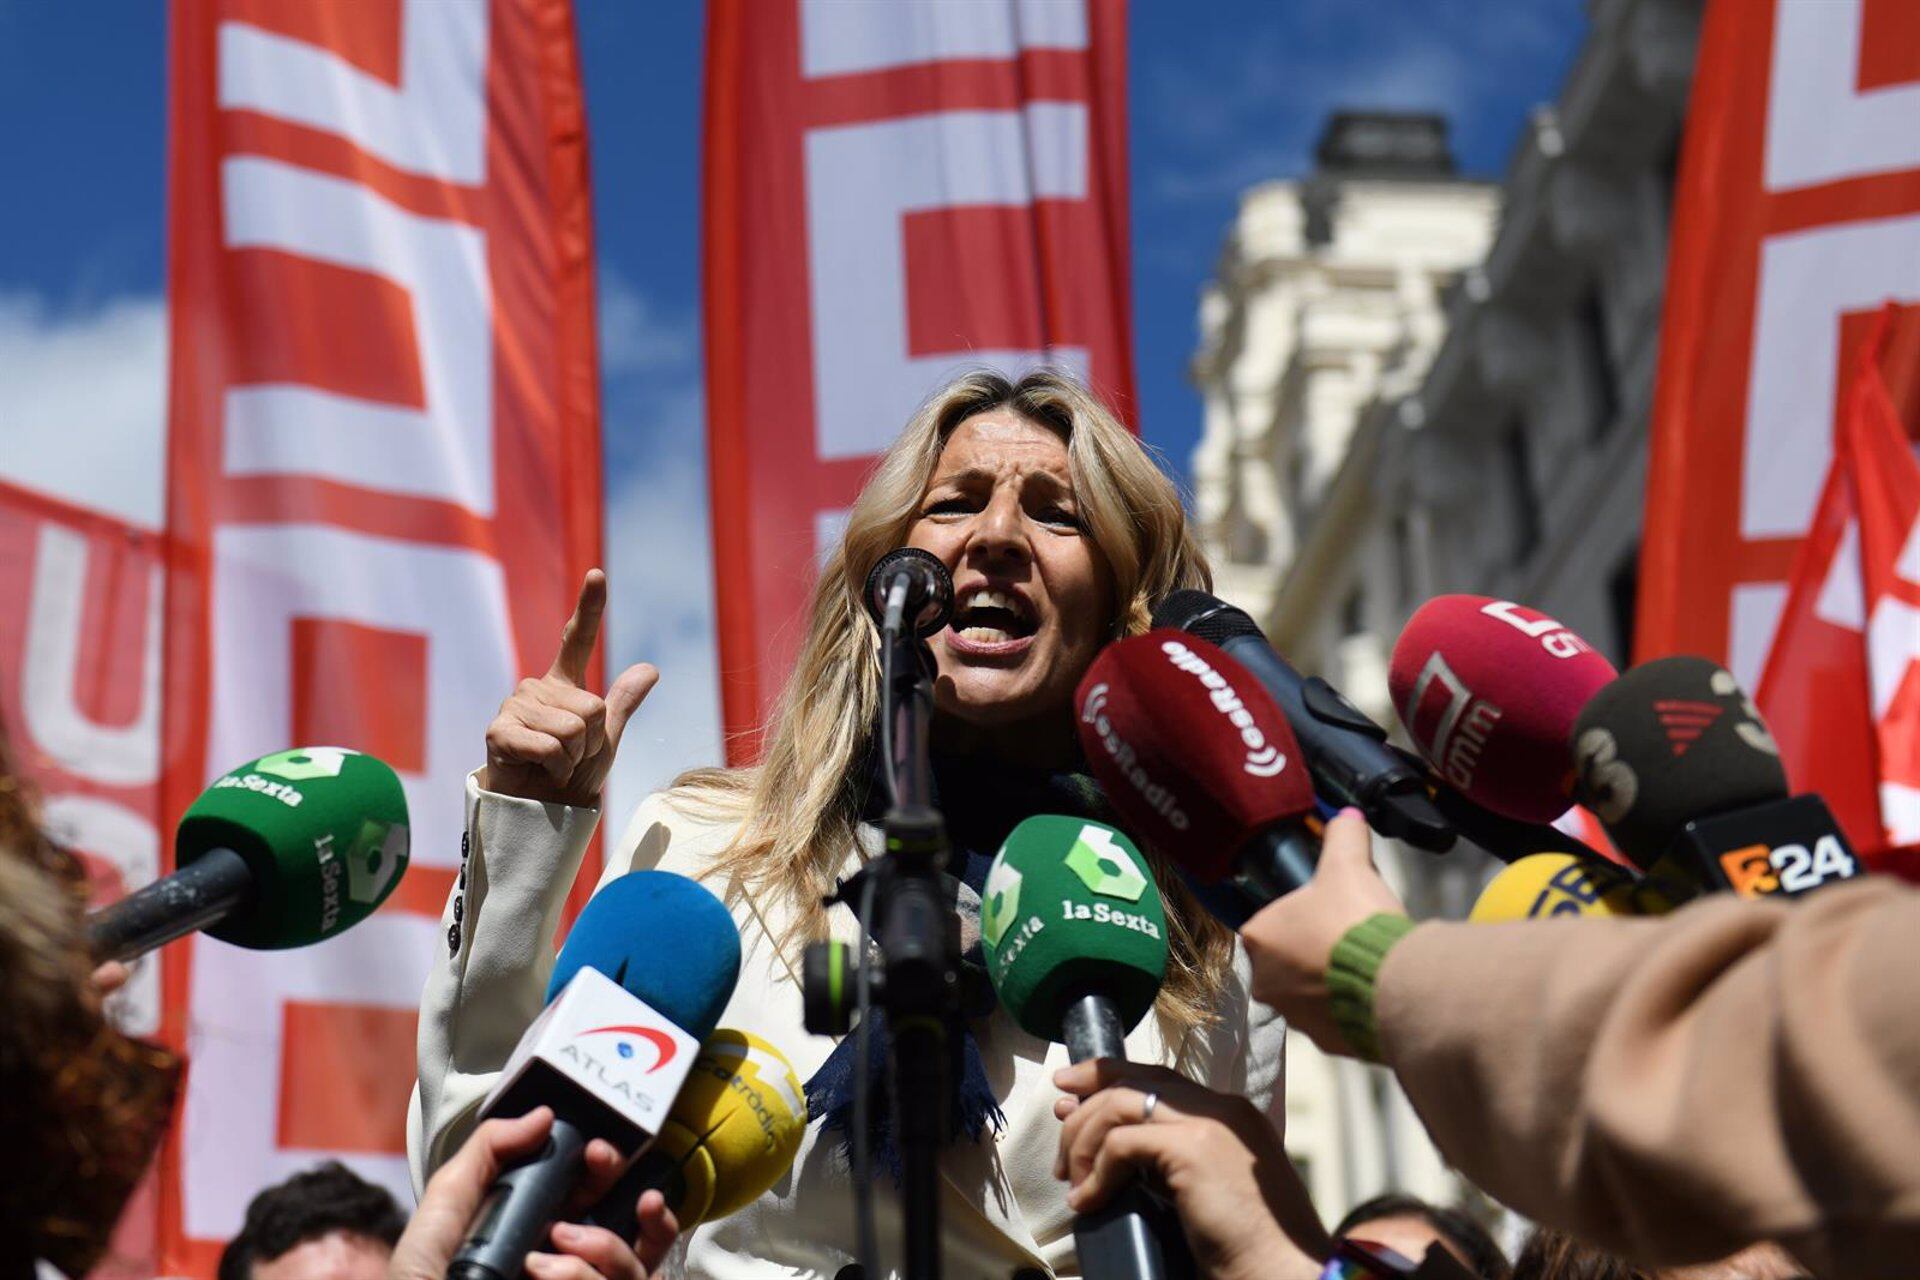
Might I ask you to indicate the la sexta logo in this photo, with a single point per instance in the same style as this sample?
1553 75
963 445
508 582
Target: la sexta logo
663 1045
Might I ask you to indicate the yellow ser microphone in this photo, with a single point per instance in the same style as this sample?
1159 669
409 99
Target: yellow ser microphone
734 1130
1546 885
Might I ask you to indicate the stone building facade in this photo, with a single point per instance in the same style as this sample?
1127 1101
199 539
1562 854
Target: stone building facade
1417 384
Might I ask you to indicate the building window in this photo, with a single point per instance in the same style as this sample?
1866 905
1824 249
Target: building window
1523 504
1603 380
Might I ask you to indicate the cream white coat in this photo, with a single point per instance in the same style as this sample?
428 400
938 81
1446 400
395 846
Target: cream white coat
1002 1212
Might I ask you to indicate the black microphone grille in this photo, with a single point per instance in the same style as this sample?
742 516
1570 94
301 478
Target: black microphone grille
929 588
1672 740
1206 616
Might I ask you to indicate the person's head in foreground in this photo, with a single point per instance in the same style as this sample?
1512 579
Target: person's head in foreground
1060 534
82 1107
1555 1255
326 1223
1409 1226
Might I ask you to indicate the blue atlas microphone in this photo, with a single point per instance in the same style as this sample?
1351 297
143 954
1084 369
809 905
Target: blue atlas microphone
640 984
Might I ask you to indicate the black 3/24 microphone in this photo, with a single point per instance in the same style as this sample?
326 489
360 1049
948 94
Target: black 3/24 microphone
1675 760
910 587
1347 753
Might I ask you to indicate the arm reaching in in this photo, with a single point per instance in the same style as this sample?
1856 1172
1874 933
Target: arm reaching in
1671 1089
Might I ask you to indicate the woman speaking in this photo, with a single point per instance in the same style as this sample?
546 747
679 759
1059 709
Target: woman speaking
1060 534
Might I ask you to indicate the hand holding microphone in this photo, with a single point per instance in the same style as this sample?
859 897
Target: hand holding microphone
1290 941
1216 1155
580 1252
1076 946
554 740
640 983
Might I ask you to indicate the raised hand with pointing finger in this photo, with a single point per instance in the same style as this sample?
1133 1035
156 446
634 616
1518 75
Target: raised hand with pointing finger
554 739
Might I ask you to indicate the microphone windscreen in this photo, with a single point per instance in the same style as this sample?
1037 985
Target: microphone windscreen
665 939
1190 749
1543 885
1488 690
323 830
735 1127
1070 909
1671 740
1204 615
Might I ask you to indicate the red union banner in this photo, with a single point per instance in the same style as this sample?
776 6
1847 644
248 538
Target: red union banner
1797 216
894 193
384 486
1840 688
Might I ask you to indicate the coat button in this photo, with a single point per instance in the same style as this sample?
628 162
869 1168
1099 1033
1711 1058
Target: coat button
852 1271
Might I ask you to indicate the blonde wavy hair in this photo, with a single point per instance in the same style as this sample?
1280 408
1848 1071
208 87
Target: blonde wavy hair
799 807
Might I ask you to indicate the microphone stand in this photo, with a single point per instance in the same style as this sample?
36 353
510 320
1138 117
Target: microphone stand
918 935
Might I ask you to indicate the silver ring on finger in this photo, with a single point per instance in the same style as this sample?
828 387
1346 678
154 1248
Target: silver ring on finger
1147 1106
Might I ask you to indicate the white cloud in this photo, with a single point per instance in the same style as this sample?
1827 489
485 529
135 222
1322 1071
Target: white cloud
635 338
659 543
83 403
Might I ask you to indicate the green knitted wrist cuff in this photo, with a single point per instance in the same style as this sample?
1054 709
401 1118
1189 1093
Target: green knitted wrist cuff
1351 974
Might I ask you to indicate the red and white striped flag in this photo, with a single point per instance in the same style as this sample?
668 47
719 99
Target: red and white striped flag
894 192
384 488
1797 216
1841 689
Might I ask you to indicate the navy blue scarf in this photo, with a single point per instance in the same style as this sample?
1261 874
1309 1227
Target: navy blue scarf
982 801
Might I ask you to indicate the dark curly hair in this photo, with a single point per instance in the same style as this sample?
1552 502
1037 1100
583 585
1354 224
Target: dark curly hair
86 1107
1469 1238
328 1197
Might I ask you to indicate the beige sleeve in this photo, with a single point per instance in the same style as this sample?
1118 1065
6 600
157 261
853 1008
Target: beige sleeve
1674 1089
518 859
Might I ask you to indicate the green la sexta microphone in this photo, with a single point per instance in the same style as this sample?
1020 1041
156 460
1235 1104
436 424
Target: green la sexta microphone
284 851
1076 943
1075 934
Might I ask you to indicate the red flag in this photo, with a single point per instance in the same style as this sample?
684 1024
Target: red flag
1840 689
1797 215
894 193
384 489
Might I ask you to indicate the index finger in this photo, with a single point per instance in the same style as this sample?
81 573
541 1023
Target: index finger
582 631
1095 1074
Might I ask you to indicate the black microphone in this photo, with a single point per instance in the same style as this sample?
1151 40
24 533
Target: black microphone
910 586
1675 761
1347 753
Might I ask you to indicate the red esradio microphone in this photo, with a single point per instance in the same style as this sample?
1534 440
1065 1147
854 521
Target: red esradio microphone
1199 762
1489 691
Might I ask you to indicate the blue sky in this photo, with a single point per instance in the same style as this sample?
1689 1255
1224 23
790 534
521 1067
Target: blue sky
1224 94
